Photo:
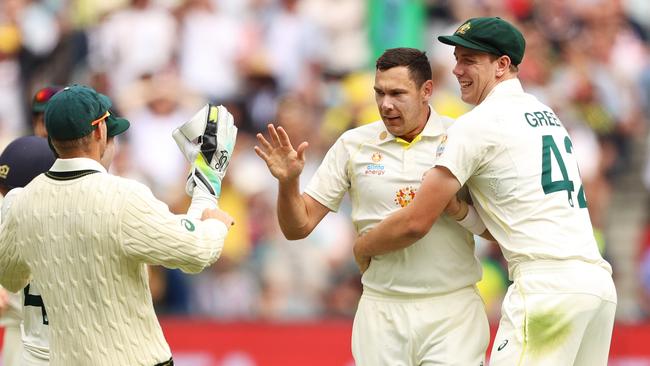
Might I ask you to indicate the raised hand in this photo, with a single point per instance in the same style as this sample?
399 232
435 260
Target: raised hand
218 214
283 161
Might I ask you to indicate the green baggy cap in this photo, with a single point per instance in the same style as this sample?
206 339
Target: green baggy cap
489 34
75 111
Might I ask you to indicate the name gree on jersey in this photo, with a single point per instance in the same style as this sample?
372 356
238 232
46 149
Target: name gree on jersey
542 118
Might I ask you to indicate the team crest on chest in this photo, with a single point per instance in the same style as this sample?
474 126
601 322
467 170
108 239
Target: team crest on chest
375 168
404 196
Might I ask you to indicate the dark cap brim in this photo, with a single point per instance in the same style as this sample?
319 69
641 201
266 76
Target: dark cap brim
116 125
459 41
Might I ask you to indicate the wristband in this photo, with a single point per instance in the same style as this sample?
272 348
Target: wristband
200 201
472 221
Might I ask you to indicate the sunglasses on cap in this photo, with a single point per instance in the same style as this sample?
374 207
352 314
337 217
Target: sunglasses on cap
100 119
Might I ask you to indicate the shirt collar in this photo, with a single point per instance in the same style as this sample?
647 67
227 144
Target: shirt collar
507 87
434 127
74 164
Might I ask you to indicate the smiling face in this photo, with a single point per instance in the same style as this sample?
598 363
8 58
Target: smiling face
403 105
477 73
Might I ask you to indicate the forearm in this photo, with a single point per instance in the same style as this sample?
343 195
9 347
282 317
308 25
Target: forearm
398 231
410 224
190 246
151 234
292 211
201 200
467 217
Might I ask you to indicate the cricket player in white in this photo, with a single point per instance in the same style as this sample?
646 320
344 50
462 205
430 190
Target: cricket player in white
85 236
515 156
33 329
420 305
26 334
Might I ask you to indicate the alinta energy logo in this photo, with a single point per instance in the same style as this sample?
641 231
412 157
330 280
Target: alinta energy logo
375 168
404 196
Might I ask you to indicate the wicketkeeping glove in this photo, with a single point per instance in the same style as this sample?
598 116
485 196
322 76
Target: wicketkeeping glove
207 141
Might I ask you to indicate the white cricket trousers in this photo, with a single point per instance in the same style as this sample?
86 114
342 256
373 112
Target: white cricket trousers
449 329
31 360
558 313
12 346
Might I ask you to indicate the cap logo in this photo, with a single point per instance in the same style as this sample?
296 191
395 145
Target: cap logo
463 28
4 171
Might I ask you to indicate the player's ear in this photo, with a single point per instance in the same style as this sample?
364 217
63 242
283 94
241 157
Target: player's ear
102 129
427 90
503 64
101 132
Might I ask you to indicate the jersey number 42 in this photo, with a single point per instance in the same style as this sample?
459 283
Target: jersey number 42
549 151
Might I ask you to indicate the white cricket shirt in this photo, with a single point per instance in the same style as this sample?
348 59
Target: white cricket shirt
382 174
518 162
12 315
32 317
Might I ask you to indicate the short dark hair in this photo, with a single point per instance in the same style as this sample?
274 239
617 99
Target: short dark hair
513 68
68 146
415 61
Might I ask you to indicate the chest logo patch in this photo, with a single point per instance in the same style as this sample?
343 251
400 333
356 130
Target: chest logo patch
375 168
404 196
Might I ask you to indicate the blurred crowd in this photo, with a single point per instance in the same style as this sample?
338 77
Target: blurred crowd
308 65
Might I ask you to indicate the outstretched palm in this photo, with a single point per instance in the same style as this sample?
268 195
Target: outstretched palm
283 161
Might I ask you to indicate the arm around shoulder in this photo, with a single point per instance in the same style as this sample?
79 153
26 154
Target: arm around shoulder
408 225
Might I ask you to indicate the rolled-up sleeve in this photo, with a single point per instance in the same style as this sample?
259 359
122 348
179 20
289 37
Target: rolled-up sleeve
331 181
465 148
